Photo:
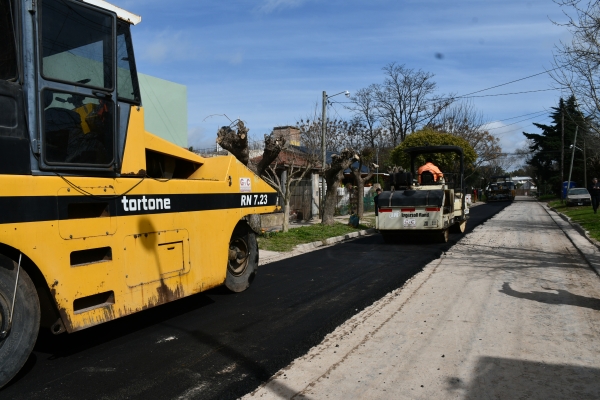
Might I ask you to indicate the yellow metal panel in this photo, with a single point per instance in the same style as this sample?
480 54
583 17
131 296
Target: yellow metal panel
75 228
134 157
153 256
214 168
155 143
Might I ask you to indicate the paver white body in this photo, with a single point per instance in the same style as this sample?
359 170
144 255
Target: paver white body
512 311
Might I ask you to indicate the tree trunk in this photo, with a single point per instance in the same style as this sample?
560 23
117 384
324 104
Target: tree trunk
286 214
360 185
339 162
235 142
273 146
330 202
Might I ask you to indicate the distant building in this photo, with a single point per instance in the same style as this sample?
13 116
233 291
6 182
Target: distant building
290 133
526 182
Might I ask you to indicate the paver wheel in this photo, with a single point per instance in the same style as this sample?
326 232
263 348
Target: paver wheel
242 263
444 236
459 227
18 344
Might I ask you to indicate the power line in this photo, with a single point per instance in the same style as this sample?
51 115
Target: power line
334 109
508 83
513 130
519 116
500 94
469 97
514 123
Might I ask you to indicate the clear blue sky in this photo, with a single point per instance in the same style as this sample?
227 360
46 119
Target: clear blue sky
267 61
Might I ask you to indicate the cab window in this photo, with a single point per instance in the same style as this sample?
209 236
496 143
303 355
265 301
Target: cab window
78 129
77 44
127 83
8 50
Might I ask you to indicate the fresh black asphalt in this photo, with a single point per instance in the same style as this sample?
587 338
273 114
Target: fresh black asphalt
217 345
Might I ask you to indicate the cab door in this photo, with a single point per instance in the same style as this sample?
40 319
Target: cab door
77 86
14 141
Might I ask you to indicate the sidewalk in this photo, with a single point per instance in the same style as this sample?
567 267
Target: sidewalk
512 311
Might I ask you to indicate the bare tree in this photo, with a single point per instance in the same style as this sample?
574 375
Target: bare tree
333 176
236 142
406 100
577 63
362 139
337 132
365 109
296 164
464 120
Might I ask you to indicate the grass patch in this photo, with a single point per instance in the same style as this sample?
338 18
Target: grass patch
279 241
583 215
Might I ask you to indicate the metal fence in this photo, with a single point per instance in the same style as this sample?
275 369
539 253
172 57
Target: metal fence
300 200
348 202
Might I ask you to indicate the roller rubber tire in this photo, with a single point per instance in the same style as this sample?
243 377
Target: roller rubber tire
242 269
459 227
16 347
444 236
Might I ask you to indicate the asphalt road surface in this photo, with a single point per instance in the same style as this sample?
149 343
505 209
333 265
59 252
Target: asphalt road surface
217 345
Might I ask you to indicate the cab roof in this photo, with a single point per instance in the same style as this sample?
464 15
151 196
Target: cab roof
434 149
121 13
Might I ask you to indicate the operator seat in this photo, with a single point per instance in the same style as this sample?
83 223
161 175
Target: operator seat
427 178
59 125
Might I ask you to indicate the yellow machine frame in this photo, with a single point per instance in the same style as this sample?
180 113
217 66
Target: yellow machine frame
154 258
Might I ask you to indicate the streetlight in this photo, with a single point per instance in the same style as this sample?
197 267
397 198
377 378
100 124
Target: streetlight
323 151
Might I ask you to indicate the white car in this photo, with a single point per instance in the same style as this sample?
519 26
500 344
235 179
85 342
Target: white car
578 197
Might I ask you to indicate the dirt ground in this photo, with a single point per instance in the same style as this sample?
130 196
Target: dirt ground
511 311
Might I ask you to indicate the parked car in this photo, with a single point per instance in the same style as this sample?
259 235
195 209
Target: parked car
578 197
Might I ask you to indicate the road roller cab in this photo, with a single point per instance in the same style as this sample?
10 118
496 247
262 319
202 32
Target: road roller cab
99 218
430 208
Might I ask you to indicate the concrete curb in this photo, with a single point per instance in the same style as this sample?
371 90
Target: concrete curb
578 228
308 247
588 248
333 240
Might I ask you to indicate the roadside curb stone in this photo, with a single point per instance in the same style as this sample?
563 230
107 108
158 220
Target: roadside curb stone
589 250
333 240
578 228
308 247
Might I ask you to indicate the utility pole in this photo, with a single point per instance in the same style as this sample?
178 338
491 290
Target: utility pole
585 181
323 152
562 148
572 156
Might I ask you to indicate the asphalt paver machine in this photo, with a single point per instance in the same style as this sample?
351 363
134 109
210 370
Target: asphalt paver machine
501 188
430 208
99 218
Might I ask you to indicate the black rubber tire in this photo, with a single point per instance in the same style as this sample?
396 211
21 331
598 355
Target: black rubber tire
16 347
242 270
459 227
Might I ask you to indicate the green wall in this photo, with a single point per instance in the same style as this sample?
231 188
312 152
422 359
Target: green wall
165 108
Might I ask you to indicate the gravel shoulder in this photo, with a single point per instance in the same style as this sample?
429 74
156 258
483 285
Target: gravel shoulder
511 311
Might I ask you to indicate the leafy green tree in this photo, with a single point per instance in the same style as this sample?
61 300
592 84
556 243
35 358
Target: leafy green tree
429 137
545 147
